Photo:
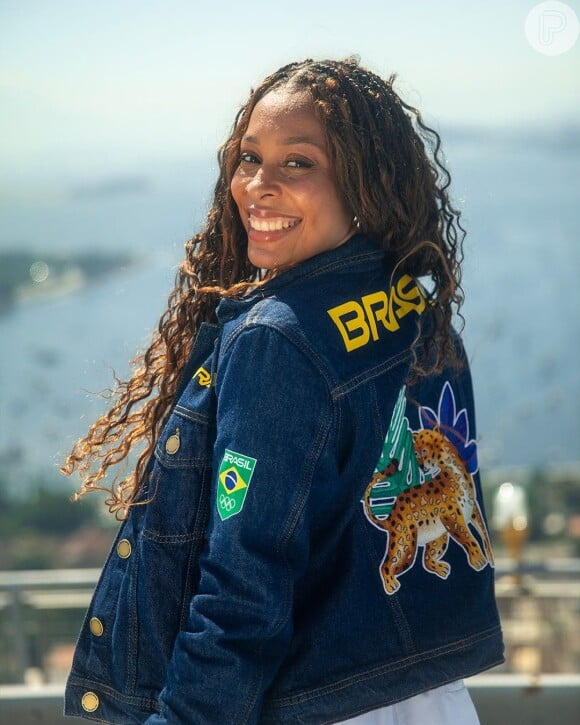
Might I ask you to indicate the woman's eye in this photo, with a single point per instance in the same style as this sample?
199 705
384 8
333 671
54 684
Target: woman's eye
298 164
249 158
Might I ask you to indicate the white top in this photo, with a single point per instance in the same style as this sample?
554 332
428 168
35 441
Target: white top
446 705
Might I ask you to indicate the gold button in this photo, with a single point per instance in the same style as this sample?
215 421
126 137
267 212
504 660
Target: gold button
90 702
172 443
96 626
124 548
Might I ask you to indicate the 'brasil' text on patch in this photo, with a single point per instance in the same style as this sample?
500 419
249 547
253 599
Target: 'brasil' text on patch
235 474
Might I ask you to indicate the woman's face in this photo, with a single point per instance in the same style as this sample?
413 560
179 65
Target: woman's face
284 185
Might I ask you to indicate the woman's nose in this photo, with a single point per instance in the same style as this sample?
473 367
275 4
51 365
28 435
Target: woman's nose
265 181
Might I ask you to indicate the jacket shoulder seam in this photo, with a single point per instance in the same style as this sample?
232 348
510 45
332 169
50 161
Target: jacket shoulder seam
297 340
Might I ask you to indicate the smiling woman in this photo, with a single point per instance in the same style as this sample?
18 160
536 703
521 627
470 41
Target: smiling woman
310 448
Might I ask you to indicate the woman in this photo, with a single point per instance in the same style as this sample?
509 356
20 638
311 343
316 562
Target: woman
303 538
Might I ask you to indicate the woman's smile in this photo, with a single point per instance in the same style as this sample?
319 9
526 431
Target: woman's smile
271 223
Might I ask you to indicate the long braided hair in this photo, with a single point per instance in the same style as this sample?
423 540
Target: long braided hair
388 167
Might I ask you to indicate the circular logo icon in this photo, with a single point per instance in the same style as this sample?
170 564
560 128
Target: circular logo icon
552 28
231 480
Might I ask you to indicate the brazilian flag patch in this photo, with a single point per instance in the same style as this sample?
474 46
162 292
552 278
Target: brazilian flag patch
234 478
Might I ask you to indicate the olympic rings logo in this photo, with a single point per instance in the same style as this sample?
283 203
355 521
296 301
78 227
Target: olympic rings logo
226 502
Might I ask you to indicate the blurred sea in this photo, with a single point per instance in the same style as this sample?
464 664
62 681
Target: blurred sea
520 201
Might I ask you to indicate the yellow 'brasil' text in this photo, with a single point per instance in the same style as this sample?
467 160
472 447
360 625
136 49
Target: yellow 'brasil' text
358 321
204 377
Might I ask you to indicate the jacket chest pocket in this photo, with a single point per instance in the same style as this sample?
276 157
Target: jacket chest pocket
178 495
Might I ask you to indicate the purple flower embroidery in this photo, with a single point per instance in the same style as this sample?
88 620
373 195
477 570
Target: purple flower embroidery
453 425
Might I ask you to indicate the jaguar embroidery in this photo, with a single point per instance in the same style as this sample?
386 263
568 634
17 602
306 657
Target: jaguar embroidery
422 492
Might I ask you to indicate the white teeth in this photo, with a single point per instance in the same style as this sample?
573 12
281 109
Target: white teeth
272 225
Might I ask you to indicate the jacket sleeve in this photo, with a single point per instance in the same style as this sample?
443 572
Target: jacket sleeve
274 417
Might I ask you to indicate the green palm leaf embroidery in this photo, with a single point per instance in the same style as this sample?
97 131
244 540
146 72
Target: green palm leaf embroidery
397 467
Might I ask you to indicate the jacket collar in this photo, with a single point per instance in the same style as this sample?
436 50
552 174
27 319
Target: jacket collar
359 248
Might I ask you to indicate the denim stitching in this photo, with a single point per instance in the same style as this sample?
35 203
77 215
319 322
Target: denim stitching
187 587
336 265
384 669
394 700
152 535
134 626
302 344
370 374
115 694
297 341
203 508
193 415
169 461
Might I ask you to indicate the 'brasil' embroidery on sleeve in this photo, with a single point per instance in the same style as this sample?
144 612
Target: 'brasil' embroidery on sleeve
422 492
235 474
204 377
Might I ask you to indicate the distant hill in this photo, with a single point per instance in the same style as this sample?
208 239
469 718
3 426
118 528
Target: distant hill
26 275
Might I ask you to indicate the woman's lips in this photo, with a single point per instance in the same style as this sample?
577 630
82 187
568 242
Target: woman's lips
270 228
272 224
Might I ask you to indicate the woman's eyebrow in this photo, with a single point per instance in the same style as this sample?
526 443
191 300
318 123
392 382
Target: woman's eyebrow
289 140
303 139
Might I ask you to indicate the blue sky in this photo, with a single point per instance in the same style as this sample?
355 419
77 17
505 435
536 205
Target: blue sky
84 81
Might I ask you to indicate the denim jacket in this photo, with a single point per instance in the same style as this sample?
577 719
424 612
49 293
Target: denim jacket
312 543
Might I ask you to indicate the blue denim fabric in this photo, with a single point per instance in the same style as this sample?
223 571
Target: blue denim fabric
278 613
